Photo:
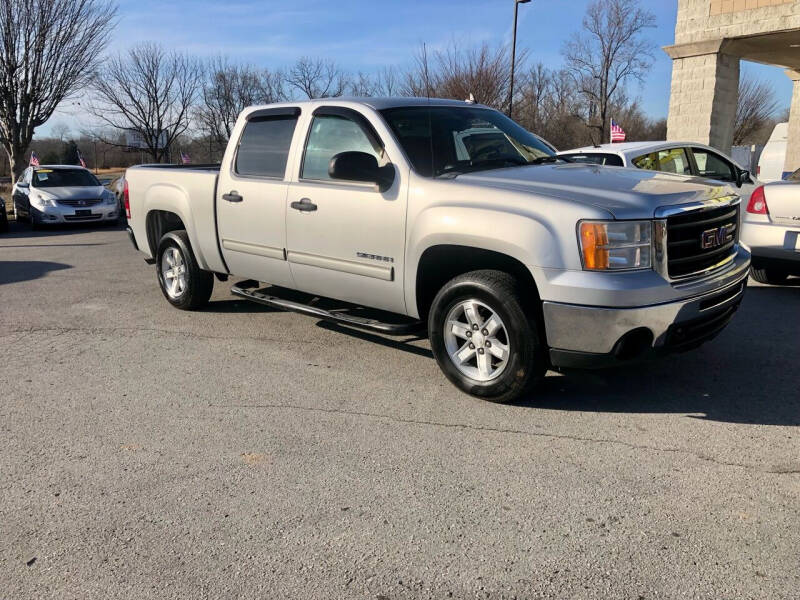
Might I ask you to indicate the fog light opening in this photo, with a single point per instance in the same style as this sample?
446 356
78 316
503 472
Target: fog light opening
634 343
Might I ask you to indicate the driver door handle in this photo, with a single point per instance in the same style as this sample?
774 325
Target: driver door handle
305 205
232 196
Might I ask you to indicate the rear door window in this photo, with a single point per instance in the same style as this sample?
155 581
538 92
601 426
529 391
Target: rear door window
674 160
264 146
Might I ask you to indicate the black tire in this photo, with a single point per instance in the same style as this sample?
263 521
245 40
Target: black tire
518 310
199 283
3 222
33 221
770 276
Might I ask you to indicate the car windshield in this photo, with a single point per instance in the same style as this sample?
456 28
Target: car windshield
442 140
44 178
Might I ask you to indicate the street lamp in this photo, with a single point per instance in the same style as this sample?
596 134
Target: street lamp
513 56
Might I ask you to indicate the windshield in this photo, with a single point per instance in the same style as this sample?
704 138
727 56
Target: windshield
44 178
441 139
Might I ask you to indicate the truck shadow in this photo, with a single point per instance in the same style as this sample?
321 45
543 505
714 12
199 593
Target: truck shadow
748 374
15 271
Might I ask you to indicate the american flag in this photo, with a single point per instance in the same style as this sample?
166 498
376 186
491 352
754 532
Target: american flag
617 133
34 162
80 158
185 158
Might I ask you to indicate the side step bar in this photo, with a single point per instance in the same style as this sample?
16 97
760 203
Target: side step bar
249 291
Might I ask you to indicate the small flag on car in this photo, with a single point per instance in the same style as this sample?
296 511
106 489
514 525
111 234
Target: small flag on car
34 162
80 158
617 133
185 158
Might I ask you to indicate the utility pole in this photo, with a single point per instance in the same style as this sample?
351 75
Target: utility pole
513 58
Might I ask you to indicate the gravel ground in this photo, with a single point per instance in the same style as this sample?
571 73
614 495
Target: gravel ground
240 452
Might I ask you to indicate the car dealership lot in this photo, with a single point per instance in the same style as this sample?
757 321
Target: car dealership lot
147 452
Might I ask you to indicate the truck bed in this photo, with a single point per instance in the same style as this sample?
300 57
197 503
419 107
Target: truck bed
185 190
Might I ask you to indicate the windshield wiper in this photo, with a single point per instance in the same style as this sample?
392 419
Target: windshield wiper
546 159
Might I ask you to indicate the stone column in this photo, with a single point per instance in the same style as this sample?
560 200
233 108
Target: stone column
705 94
793 144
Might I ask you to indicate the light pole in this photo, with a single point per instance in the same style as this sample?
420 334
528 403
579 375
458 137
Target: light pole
513 57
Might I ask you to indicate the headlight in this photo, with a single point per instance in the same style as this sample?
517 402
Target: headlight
41 201
110 198
615 245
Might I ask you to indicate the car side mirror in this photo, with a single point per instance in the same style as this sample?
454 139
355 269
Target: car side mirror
361 166
742 176
23 185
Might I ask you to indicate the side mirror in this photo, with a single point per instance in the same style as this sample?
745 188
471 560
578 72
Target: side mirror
742 176
360 166
23 185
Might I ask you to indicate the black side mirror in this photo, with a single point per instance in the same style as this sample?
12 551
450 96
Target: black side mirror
360 166
741 176
23 185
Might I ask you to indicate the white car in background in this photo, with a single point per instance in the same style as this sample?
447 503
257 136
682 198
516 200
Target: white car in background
683 158
771 227
52 194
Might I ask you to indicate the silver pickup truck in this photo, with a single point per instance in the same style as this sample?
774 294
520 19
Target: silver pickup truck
404 214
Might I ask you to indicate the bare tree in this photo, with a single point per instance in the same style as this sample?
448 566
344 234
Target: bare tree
608 54
364 85
228 90
756 111
481 72
48 50
317 78
150 91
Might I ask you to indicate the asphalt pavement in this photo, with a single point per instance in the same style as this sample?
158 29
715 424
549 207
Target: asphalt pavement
240 452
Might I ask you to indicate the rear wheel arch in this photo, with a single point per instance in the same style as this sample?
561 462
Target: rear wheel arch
441 263
157 224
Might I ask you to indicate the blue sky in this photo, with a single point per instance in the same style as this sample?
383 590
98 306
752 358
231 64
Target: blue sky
364 35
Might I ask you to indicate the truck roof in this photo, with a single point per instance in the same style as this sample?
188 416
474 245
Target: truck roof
375 103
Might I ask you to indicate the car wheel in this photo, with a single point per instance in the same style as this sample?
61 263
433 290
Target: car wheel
184 284
484 339
33 221
770 276
3 222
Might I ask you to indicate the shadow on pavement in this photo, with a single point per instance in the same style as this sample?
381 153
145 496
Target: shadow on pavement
20 231
237 306
14 271
748 374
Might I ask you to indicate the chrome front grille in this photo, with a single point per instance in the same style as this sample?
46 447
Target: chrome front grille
699 240
80 202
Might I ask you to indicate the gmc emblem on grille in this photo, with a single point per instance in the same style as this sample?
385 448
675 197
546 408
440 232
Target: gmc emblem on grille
712 238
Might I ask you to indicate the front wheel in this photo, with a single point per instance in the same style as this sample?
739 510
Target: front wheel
184 284
484 337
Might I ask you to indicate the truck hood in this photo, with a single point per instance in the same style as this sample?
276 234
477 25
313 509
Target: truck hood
626 193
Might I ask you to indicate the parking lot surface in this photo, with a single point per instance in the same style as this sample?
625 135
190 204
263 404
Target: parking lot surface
239 452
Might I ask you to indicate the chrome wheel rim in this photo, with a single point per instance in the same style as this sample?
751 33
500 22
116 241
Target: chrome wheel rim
476 340
173 270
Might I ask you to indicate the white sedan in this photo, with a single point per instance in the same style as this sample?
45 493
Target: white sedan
683 158
771 227
52 194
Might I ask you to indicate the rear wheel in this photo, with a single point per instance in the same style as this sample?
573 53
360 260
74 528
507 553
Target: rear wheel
484 339
770 276
184 284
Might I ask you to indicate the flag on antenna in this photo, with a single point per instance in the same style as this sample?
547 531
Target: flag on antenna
34 162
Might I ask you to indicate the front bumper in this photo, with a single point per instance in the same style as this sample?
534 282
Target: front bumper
771 242
55 215
597 336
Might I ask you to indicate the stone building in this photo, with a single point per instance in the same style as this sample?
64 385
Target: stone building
711 37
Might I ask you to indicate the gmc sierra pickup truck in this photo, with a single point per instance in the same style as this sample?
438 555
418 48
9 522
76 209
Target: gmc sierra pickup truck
447 216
